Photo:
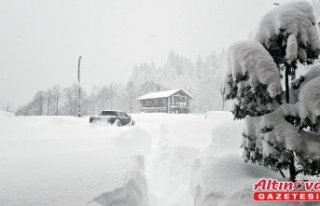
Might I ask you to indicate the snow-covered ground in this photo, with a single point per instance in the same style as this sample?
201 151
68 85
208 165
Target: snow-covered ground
164 160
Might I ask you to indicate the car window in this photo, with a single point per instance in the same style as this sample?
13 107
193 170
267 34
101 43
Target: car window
109 113
125 114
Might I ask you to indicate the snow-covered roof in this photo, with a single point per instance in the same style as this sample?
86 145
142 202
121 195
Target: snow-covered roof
110 110
162 94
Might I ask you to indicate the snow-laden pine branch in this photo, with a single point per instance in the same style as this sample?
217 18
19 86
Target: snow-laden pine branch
289 32
249 65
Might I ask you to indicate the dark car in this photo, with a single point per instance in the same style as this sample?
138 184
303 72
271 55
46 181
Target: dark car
113 117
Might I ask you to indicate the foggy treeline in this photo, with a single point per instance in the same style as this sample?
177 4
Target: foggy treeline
201 78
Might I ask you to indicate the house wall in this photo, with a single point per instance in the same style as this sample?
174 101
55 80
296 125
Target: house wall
154 105
176 103
179 103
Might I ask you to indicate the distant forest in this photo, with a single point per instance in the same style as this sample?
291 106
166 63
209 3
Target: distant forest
201 78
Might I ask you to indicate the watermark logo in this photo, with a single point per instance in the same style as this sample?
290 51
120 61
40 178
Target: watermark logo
274 190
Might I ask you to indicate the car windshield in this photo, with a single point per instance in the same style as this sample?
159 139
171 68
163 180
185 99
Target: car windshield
109 113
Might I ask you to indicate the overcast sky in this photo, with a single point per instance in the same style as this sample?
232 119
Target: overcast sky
40 40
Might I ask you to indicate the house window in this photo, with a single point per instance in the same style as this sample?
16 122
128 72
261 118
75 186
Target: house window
177 99
147 103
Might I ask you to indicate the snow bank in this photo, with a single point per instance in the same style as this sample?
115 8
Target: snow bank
67 161
219 175
249 64
6 115
294 21
132 193
169 175
174 150
136 142
162 161
227 180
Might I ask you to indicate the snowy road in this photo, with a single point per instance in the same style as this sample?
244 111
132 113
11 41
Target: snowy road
162 161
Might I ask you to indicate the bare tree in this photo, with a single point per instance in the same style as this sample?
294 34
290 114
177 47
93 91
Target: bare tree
56 94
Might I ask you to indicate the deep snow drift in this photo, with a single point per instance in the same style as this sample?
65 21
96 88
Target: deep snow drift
66 161
165 160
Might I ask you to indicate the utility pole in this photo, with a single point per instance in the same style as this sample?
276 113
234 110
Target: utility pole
79 86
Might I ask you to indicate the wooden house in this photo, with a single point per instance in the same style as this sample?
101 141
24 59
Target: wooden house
170 101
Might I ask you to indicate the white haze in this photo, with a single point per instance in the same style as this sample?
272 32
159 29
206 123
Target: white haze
41 40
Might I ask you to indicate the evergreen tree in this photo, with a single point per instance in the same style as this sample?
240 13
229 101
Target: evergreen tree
277 136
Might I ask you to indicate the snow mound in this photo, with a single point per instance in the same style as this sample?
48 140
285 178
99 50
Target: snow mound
67 161
249 64
169 175
219 175
135 141
310 101
6 115
295 21
225 180
132 193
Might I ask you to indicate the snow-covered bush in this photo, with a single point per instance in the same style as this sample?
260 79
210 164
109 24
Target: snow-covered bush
287 134
298 83
278 136
252 79
286 139
309 109
289 33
